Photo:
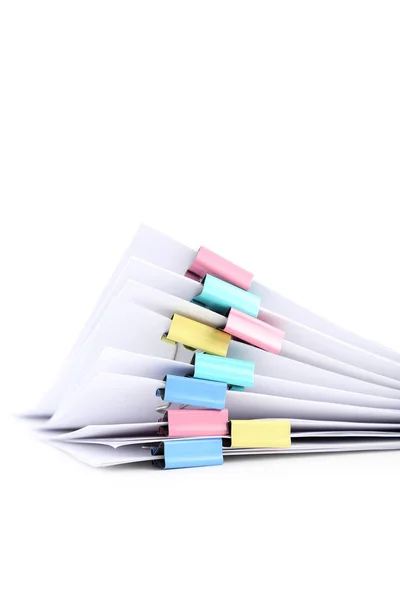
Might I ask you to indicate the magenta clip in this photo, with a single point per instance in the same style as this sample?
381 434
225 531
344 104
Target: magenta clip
197 423
254 332
209 263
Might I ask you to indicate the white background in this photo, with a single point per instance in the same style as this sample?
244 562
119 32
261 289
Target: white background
268 131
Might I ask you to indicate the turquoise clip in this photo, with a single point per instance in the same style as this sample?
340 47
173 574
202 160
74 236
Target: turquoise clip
178 454
195 392
233 372
219 296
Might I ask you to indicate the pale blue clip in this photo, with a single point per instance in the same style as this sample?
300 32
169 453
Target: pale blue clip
220 296
178 454
195 392
234 372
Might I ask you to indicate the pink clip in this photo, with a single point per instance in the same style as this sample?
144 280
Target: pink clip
257 333
194 423
209 263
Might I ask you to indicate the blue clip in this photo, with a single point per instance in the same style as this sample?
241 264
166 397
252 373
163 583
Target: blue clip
234 372
178 454
195 392
220 296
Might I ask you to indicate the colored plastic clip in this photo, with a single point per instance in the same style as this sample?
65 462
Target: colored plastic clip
178 454
231 371
194 392
195 423
209 263
220 296
260 434
198 336
254 332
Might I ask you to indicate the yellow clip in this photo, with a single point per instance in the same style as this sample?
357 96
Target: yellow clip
260 434
199 336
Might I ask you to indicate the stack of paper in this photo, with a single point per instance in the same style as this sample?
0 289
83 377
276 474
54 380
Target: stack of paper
186 360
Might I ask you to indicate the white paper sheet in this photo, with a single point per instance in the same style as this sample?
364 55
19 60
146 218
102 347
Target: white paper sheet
296 333
127 363
318 436
98 455
149 275
132 430
161 250
122 325
133 328
111 398
354 362
113 360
